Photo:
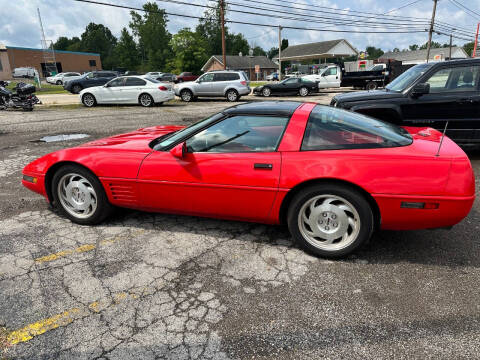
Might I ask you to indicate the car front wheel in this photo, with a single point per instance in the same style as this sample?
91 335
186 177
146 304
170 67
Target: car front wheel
89 100
303 91
330 220
186 95
59 82
76 89
266 92
79 195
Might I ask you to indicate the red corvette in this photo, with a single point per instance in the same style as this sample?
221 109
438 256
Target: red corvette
333 176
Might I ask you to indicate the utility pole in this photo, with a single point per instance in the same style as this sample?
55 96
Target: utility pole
279 53
222 19
431 29
450 52
476 42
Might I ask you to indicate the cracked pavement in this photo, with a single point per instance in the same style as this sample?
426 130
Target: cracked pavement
155 286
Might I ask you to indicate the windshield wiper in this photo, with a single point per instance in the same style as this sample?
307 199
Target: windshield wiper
224 142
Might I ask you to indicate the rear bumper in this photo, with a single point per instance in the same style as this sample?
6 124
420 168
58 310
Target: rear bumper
451 210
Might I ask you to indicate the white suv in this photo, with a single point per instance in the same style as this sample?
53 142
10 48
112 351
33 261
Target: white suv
225 83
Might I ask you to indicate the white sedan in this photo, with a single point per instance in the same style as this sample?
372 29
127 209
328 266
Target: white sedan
60 78
141 90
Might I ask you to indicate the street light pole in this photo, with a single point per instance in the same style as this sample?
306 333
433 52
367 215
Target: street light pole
431 29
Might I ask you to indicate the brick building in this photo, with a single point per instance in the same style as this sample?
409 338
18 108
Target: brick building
244 63
12 57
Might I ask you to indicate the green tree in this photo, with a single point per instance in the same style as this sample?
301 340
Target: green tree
373 52
153 36
284 44
468 47
258 51
435 45
190 51
98 38
209 29
413 47
126 52
235 44
63 42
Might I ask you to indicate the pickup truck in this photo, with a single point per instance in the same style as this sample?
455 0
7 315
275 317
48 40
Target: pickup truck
334 76
427 95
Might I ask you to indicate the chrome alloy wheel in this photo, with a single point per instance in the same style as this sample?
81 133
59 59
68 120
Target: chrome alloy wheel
145 100
266 92
186 96
329 222
303 91
88 100
232 95
77 195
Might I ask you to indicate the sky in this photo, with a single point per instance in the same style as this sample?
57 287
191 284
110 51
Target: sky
20 25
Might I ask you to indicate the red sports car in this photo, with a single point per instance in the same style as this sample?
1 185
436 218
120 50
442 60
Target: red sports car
333 176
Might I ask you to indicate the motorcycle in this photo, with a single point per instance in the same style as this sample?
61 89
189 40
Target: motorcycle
22 97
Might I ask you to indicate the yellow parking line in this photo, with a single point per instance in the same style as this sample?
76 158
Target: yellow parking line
85 248
42 326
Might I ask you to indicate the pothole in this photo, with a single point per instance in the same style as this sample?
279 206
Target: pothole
62 137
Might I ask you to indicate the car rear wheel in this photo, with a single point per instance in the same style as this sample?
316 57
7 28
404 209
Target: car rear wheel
145 100
89 100
186 95
371 85
76 89
79 195
266 92
330 220
303 91
59 82
232 95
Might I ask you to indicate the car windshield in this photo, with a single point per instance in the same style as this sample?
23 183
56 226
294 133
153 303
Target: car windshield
407 78
165 142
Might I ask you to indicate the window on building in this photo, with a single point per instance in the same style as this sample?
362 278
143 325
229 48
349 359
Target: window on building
93 62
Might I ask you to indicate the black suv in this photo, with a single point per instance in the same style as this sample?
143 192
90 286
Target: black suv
94 78
427 94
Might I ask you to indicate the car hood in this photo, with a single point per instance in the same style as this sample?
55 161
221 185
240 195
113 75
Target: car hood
367 95
137 140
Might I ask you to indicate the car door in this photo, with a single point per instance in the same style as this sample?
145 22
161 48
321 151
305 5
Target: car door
111 92
453 96
330 78
220 81
132 90
204 85
231 169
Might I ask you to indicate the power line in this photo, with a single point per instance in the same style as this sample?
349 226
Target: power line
465 9
401 7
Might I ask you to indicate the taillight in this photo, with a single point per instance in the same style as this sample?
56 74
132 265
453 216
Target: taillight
162 88
243 83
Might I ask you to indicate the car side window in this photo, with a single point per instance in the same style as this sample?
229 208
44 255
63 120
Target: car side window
291 81
220 77
207 77
116 82
462 78
336 129
239 134
331 71
135 82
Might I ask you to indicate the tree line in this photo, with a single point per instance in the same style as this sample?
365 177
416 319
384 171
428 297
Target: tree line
147 45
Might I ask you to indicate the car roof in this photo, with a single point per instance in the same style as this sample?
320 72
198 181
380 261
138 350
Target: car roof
456 62
282 108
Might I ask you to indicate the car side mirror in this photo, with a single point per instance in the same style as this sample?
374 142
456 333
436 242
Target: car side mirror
179 150
421 89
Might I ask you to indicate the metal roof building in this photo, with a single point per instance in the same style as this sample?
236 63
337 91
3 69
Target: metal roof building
319 50
420 56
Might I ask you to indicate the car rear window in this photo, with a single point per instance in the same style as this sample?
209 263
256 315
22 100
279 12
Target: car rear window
334 129
133 81
226 77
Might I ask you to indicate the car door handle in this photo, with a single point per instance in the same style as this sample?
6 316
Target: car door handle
261 166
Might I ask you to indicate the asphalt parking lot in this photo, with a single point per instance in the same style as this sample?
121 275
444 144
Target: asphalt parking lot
153 286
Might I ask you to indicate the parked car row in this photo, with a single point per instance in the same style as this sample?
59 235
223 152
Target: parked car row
59 78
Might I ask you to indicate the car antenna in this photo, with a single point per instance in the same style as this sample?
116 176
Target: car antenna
441 140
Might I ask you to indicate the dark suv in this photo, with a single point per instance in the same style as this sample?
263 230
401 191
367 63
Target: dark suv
427 94
94 78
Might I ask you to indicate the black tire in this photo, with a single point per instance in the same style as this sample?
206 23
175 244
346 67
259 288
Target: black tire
88 100
186 95
232 95
103 207
364 219
76 89
303 91
266 91
146 100
59 82
371 85
28 108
